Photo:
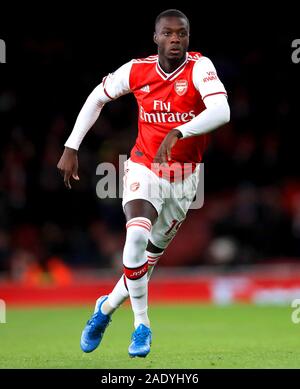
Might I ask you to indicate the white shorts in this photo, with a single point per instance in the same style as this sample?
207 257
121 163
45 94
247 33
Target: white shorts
170 199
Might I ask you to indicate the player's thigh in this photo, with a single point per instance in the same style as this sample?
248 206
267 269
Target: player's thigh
167 224
140 208
173 213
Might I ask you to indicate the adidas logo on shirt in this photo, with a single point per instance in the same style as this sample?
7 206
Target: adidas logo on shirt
145 88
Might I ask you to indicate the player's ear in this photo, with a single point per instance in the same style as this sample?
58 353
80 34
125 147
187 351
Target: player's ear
155 38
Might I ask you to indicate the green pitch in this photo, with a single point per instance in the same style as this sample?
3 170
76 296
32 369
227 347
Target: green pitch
184 336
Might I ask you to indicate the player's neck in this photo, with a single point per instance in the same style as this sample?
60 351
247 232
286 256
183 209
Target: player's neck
169 66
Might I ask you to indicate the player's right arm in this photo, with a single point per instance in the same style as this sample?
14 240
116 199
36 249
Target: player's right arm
113 86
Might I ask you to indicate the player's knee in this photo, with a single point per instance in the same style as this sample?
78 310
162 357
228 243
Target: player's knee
136 243
138 239
135 247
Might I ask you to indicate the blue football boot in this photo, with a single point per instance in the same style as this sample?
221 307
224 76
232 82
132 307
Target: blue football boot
141 342
93 332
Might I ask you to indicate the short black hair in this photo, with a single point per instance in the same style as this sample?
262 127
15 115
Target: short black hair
170 13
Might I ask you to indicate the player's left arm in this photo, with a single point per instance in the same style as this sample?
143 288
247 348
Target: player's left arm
216 114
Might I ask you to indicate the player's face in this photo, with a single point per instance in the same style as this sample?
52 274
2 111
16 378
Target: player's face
172 37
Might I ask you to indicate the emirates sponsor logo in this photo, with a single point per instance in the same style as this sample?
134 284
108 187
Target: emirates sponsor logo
134 186
166 117
181 87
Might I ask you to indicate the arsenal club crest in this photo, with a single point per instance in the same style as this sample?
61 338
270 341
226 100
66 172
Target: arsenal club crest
181 87
134 186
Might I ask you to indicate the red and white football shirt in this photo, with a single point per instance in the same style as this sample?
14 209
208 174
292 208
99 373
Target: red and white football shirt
166 101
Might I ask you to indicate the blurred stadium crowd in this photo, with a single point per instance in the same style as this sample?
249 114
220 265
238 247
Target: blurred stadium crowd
251 211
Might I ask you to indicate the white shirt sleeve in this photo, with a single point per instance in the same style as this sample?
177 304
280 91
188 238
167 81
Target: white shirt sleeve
205 78
113 86
214 96
216 114
117 84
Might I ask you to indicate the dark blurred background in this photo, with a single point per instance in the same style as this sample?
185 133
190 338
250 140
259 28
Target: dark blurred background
251 212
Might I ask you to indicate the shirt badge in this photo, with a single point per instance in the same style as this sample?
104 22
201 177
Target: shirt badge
181 87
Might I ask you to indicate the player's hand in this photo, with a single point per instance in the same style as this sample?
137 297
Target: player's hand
68 166
163 154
